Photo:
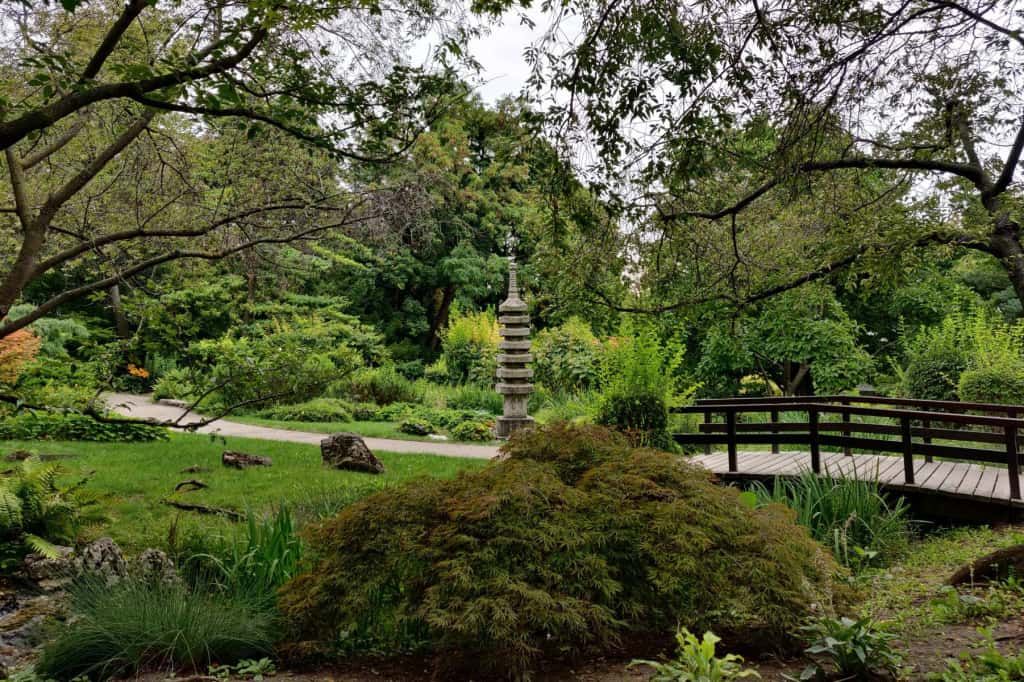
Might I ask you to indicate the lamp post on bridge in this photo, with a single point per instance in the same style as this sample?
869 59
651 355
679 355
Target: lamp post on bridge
514 355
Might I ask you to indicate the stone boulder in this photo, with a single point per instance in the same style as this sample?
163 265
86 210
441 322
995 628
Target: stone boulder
50 571
155 568
104 560
348 451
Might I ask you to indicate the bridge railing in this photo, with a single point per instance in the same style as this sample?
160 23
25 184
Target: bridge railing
886 426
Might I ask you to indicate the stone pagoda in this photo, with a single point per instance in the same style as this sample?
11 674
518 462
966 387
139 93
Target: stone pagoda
513 374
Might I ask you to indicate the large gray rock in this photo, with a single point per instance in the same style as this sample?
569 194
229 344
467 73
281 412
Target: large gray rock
104 560
348 451
155 568
51 571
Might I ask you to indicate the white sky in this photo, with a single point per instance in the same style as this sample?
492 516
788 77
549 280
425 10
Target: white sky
505 69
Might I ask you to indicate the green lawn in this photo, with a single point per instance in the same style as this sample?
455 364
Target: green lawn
136 477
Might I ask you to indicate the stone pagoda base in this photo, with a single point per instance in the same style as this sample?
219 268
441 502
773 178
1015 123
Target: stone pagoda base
506 426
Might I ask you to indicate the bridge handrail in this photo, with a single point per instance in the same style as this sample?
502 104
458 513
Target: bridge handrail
938 405
775 432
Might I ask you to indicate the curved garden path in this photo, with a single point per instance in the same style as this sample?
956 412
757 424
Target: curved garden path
142 407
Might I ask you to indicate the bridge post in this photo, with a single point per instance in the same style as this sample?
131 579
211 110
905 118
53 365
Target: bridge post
707 420
1013 462
730 434
908 451
846 426
812 423
926 424
775 429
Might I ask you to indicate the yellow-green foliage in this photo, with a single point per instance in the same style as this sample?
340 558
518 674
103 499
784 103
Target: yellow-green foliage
570 542
470 348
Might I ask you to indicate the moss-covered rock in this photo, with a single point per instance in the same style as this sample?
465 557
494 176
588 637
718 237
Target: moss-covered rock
572 541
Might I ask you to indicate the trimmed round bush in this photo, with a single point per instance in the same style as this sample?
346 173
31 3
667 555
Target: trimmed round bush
569 543
364 412
316 410
416 427
473 431
1003 383
643 417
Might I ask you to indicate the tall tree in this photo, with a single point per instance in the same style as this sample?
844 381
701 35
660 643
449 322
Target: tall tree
923 94
97 106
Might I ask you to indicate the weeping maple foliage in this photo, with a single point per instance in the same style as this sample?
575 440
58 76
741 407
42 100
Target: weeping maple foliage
16 350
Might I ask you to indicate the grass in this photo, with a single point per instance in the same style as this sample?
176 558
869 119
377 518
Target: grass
849 516
913 593
136 477
131 626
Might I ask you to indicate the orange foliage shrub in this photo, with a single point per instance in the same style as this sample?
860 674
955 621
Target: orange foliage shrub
16 349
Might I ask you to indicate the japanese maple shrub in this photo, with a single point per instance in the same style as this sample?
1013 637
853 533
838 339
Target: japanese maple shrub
571 541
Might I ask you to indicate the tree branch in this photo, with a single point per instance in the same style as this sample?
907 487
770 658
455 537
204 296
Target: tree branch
16 129
42 309
82 178
41 155
131 11
966 171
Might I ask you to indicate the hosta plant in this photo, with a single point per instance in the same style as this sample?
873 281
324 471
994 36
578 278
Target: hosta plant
696 661
857 649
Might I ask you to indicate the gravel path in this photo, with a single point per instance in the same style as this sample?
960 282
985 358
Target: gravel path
142 407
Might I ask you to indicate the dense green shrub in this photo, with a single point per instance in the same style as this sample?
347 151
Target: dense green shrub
639 385
473 431
644 418
132 626
993 384
175 383
567 358
37 510
936 358
469 349
849 516
547 554
316 410
395 412
380 385
415 426
72 426
472 397
364 412
281 363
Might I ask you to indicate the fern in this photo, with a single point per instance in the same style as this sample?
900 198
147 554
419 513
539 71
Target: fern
41 546
37 512
10 511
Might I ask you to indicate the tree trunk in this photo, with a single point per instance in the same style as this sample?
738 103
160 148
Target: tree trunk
124 330
441 318
1005 245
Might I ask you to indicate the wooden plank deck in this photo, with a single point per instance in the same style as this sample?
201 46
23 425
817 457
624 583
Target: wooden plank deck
985 483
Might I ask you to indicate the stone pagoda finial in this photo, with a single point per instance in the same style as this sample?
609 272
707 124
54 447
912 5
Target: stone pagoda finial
513 374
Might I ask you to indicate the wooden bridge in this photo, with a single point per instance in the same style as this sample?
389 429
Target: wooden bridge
954 459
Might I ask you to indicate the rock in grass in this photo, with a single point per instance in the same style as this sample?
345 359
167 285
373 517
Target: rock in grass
50 571
154 567
104 560
241 460
348 451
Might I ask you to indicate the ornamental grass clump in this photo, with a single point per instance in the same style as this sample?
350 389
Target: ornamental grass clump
570 542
